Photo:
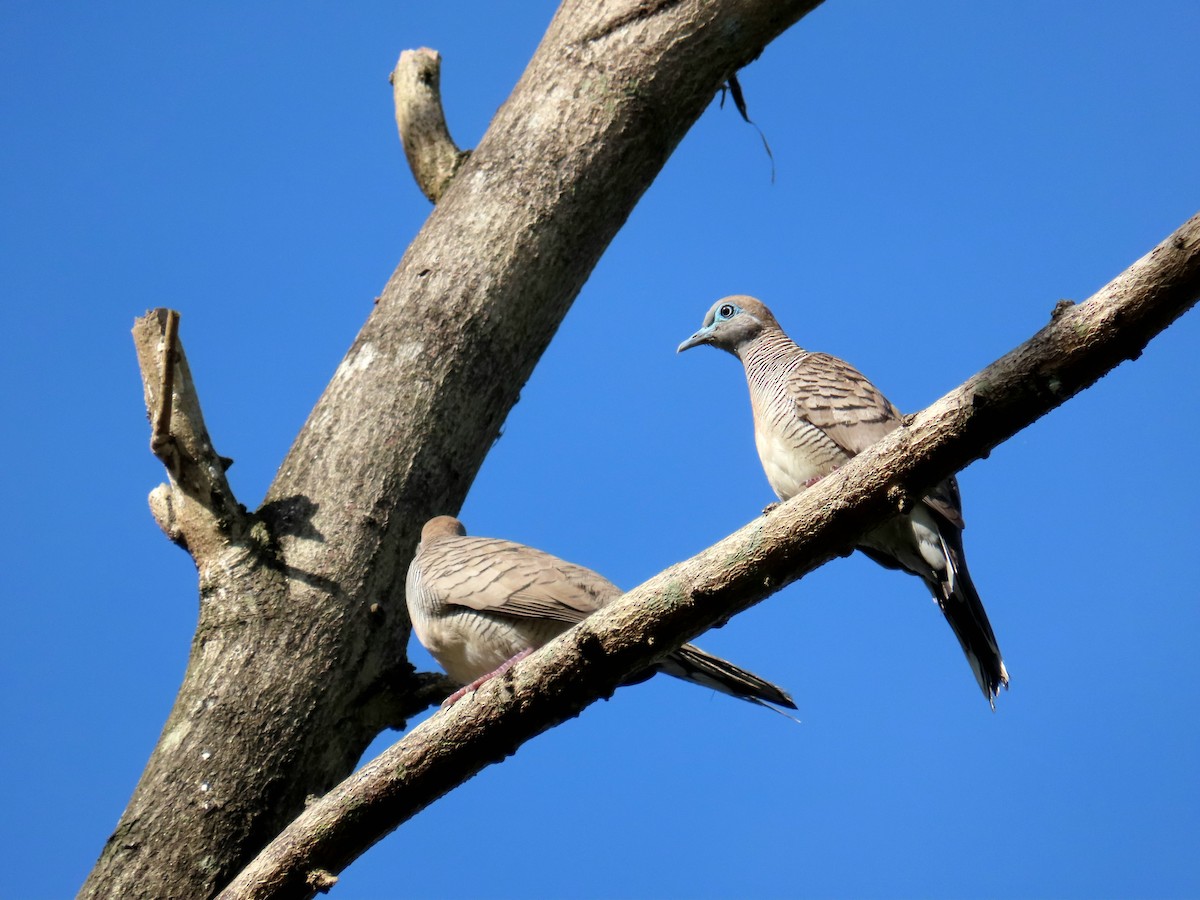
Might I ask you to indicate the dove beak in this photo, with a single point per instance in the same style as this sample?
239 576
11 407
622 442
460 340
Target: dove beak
703 336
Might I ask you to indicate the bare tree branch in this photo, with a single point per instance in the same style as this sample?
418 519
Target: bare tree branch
197 509
416 90
302 625
1078 347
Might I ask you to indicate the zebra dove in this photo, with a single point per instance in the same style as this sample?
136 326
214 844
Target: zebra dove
812 413
479 604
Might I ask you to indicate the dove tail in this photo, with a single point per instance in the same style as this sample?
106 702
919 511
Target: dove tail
694 665
956 595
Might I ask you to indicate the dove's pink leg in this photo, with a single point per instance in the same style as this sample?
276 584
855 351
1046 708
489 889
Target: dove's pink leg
499 670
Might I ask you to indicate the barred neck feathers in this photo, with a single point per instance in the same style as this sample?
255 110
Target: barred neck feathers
769 353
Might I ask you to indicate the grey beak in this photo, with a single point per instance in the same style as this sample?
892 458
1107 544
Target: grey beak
703 336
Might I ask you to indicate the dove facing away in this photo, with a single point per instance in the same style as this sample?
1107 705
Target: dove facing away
812 413
478 604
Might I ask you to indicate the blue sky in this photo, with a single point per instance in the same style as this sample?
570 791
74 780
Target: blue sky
945 172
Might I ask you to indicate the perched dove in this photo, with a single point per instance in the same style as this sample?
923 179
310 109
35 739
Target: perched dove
813 412
478 604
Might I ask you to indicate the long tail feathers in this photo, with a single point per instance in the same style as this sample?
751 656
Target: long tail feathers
956 595
693 664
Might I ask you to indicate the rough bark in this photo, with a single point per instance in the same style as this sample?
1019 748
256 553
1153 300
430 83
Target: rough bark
298 660
1078 347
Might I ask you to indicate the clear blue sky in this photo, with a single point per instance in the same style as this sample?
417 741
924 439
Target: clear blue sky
945 173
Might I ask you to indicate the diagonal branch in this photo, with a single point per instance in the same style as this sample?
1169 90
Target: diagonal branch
1079 346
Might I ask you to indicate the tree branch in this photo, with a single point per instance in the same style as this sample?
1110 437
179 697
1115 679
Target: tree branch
397 702
302 615
1078 347
160 442
433 156
197 509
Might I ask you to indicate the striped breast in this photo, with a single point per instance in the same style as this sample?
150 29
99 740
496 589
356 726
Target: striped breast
792 449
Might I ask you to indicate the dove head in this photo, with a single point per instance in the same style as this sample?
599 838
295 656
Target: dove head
442 526
731 323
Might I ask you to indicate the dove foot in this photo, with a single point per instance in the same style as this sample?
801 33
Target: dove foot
499 670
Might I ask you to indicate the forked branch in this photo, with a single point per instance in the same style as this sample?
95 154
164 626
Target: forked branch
302 616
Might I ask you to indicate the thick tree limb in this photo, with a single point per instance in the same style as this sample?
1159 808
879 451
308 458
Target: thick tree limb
1078 347
416 90
302 622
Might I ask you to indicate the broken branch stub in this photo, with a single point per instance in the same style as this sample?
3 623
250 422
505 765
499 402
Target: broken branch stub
196 506
416 90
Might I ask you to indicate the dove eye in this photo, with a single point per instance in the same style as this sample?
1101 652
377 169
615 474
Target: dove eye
726 311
